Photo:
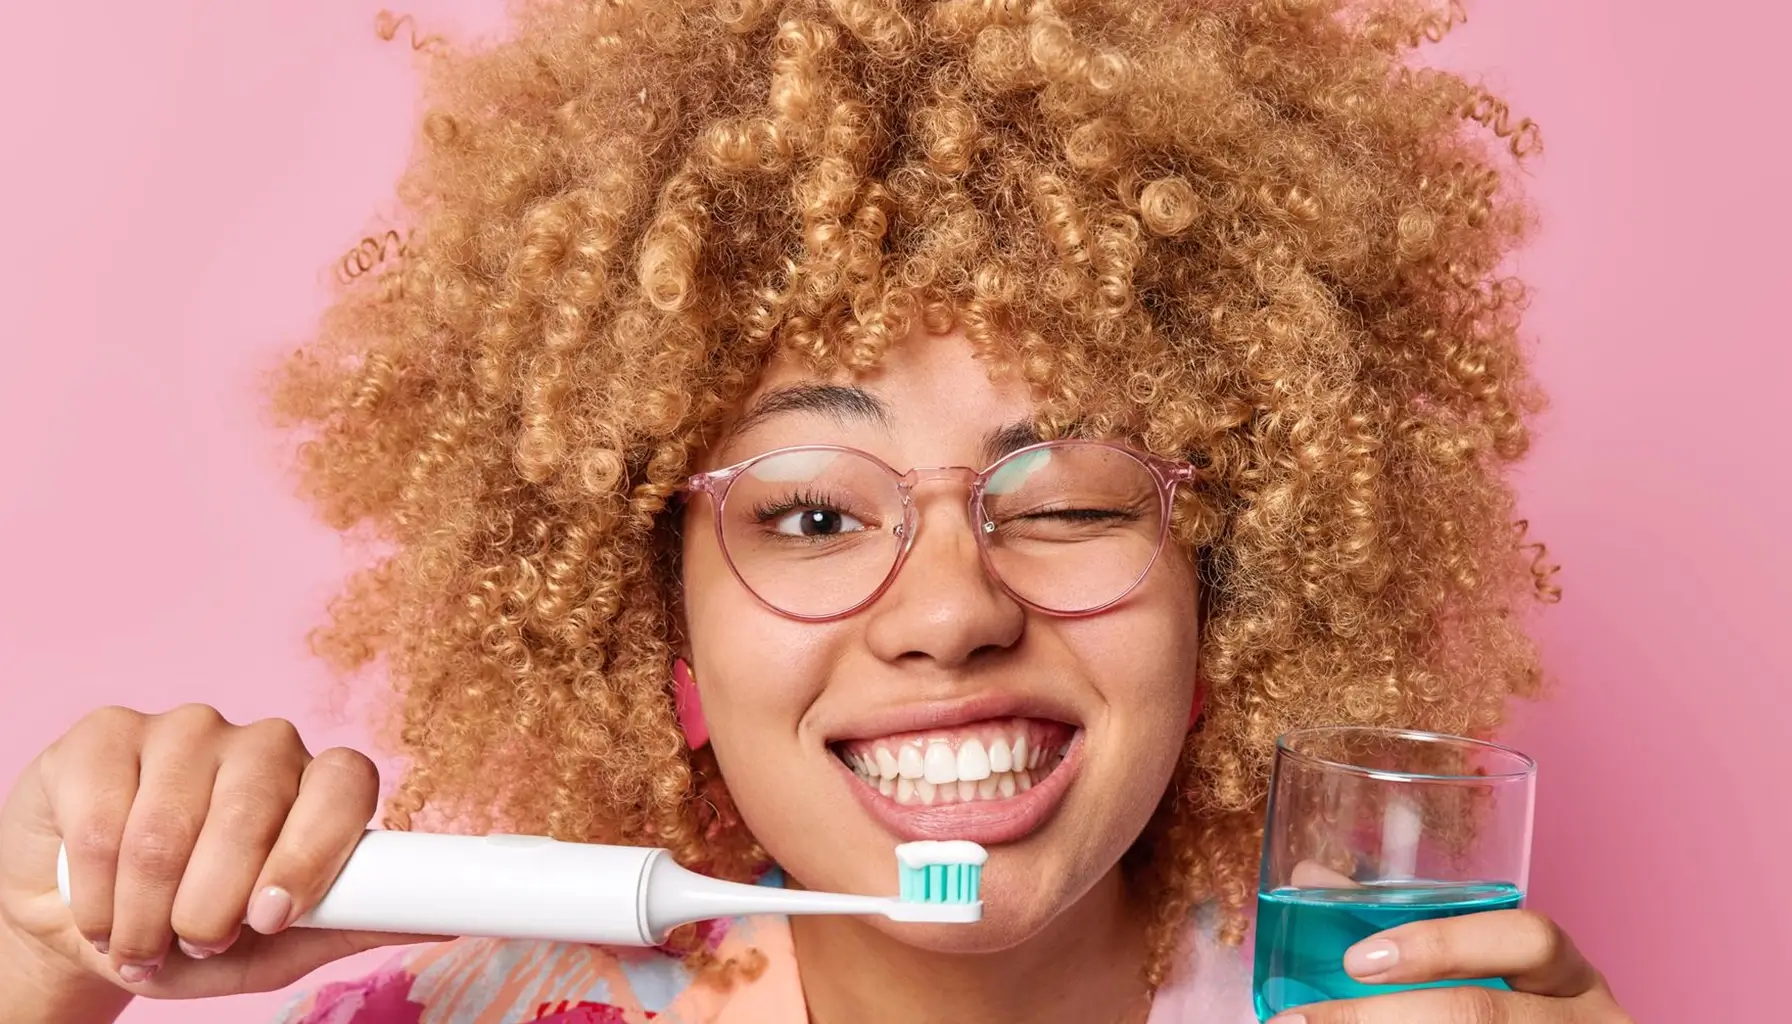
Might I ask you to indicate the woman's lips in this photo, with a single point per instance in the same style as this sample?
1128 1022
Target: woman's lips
986 821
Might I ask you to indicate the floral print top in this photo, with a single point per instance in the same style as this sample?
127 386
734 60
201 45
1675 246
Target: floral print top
493 981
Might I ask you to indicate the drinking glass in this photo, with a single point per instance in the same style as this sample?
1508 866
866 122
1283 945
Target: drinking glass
1373 828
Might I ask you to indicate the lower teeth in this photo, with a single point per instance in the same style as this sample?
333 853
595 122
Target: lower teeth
919 792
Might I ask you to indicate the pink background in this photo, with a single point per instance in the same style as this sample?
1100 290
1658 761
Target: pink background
179 175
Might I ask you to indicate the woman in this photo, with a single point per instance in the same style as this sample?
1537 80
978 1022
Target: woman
1200 305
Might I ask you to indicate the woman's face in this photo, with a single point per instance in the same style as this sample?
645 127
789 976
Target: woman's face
944 656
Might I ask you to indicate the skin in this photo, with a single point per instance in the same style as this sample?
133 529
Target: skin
181 823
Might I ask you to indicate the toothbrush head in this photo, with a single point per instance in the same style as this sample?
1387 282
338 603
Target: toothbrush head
938 881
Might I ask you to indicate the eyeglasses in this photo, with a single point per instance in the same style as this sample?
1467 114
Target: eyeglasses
818 532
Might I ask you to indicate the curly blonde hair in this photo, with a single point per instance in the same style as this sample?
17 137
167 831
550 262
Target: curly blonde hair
1247 233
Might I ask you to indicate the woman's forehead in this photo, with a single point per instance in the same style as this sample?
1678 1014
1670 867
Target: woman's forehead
927 386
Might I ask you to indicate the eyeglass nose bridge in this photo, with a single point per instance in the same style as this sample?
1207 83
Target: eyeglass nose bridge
907 482
920 474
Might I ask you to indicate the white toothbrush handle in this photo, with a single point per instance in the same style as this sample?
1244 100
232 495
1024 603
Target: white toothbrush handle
503 886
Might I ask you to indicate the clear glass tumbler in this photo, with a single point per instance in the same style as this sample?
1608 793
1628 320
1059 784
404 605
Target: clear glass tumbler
1372 828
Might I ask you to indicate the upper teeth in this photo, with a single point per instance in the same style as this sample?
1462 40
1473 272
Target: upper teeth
933 759
973 763
940 765
998 756
908 762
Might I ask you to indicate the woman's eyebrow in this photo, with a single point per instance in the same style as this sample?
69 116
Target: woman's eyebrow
841 401
1011 438
851 402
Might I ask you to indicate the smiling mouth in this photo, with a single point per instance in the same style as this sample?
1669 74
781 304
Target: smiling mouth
981 762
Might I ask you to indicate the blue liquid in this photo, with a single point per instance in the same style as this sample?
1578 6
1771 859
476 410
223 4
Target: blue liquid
1302 935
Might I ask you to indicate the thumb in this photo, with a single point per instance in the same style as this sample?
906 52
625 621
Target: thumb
28 835
29 842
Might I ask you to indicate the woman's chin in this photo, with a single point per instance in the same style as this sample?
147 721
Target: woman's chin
985 936
1006 923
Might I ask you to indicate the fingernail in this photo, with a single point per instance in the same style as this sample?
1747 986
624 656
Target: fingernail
101 946
198 952
1367 959
1289 1018
137 974
269 909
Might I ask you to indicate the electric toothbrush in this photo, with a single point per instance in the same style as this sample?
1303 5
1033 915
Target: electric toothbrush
534 887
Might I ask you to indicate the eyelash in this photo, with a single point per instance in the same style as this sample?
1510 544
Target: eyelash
1084 515
767 512
1080 514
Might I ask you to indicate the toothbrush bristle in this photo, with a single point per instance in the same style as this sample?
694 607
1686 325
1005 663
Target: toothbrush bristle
941 883
949 872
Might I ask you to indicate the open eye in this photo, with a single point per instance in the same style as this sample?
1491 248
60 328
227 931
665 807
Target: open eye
816 522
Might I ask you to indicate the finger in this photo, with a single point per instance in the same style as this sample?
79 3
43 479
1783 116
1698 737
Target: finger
1527 949
337 798
1468 1004
1310 874
255 788
263 963
91 778
179 763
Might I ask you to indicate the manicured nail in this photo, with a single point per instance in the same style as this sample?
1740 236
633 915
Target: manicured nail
1368 959
101 946
197 952
137 974
269 909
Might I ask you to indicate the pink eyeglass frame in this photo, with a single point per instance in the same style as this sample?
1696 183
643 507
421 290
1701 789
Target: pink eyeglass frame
1167 473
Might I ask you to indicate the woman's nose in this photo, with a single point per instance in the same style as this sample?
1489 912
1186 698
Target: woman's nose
943 606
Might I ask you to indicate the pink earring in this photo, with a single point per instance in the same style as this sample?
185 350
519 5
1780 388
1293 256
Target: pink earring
689 705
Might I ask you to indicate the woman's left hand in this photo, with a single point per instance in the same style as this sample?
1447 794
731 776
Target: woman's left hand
1551 982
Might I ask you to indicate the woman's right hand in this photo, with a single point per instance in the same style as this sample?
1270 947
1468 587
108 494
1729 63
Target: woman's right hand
180 827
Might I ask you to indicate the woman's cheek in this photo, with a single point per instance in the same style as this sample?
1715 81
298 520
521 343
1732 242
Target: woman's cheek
756 696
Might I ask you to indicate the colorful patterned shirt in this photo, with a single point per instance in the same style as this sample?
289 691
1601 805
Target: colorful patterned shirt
492 981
